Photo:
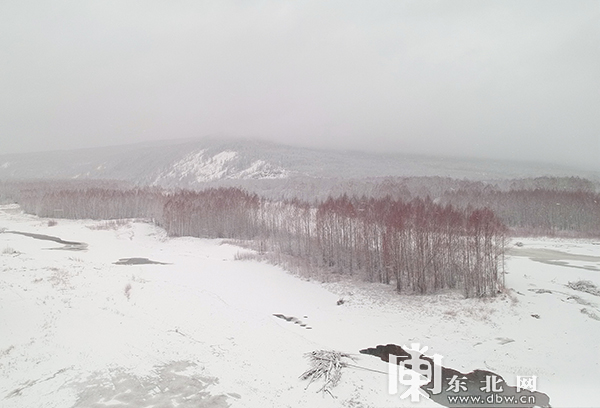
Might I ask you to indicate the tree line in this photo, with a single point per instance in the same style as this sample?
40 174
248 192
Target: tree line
418 245
531 206
538 211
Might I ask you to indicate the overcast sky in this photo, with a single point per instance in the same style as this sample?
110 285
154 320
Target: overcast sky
499 79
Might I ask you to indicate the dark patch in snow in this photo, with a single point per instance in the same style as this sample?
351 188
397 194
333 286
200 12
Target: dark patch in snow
473 382
579 300
553 257
590 314
292 319
138 261
68 245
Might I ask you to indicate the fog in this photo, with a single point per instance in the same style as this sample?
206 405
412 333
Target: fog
515 80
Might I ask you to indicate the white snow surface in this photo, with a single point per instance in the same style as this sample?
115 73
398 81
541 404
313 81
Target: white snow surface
73 335
202 167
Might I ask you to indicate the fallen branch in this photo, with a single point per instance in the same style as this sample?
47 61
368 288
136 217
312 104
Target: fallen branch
325 364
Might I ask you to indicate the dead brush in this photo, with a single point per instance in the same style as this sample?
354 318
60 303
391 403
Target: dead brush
326 364
110 224
585 286
9 251
127 291
246 256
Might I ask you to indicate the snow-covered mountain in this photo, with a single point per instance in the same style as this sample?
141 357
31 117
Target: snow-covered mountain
202 166
190 163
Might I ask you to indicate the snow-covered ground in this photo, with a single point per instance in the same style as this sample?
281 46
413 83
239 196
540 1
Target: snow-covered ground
76 330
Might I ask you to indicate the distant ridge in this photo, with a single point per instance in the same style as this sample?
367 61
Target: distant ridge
190 163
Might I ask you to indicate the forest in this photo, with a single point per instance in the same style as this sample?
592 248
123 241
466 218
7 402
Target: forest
419 244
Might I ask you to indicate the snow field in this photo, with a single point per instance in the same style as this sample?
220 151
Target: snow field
74 325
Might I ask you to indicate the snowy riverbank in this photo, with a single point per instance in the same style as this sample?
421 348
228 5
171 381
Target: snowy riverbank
78 330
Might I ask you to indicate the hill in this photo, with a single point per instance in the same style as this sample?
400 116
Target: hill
193 162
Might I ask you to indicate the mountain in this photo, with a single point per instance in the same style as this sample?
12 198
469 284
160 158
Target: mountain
193 162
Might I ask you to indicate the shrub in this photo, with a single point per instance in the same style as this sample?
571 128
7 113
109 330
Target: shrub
9 251
127 291
585 286
110 225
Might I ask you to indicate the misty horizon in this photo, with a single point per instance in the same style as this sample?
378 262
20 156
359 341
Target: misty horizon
511 81
569 168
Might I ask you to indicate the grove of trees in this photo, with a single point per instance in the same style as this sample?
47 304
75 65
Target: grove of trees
417 245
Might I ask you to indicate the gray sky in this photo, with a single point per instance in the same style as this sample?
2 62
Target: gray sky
511 79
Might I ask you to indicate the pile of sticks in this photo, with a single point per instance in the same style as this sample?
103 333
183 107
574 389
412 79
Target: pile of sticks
326 364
